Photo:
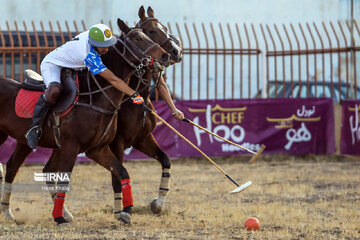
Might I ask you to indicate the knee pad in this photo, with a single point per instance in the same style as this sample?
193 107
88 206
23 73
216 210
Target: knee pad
53 92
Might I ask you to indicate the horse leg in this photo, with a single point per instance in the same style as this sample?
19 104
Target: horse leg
118 200
150 147
1 181
120 182
117 148
12 166
63 162
52 166
3 138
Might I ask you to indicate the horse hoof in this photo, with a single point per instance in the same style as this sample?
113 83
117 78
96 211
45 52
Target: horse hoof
63 225
8 215
125 217
67 215
60 221
155 207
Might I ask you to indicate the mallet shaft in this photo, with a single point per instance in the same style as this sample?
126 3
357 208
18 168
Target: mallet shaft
188 141
214 134
252 160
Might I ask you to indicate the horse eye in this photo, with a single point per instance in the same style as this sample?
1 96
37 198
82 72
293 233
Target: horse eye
138 38
151 31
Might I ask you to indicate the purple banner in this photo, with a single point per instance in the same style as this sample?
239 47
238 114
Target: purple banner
350 127
293 126
289 126
40 155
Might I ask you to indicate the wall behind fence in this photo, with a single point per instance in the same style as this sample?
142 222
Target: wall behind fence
226 11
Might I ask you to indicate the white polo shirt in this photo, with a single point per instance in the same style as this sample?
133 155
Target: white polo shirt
77 54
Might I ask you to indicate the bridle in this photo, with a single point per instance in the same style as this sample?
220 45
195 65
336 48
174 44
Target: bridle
145 61
140 55
169 37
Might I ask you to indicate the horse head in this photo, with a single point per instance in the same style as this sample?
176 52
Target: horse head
159 33
139 50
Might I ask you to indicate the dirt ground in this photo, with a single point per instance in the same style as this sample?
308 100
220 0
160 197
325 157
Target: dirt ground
294 197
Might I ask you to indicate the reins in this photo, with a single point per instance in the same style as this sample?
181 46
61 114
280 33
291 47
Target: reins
100 90
145 61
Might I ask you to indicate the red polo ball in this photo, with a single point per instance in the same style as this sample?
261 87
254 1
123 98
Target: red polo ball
252 223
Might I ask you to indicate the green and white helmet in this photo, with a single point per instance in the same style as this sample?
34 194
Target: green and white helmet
100 36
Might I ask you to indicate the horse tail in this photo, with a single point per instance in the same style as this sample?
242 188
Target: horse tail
8 92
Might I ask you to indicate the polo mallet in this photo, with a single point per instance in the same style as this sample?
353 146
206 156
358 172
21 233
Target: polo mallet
236 190
252 160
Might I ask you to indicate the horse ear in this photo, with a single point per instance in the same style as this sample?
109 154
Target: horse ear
123 26
142 13
150 12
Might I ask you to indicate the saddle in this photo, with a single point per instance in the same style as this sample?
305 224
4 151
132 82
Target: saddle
34 86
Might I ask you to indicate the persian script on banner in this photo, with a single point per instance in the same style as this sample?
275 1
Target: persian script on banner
350 127
293 126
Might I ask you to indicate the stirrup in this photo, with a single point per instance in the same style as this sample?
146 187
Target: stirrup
32 133
28 132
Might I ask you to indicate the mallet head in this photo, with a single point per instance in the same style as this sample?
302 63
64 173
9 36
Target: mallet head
242 187
258 153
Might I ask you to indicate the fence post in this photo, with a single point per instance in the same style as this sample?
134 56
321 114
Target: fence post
263 73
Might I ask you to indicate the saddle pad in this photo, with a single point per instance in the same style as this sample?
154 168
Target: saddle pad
26 100
25 103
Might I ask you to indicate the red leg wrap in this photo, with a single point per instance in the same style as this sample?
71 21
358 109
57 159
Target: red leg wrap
127 195
58 205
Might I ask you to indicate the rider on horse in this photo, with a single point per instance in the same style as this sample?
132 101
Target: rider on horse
83 51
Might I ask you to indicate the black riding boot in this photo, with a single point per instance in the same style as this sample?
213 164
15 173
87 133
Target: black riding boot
41 109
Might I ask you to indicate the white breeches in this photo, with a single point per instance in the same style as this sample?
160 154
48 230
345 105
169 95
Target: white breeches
50 73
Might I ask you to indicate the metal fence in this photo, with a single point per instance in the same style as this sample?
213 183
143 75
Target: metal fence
225 61
321 55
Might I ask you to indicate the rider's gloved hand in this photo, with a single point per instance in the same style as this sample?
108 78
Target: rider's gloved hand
137 99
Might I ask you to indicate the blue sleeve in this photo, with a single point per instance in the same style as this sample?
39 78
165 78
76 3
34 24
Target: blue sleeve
93 62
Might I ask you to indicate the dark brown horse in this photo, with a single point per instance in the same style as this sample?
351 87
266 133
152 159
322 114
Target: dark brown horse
141 138
82 130
130 120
